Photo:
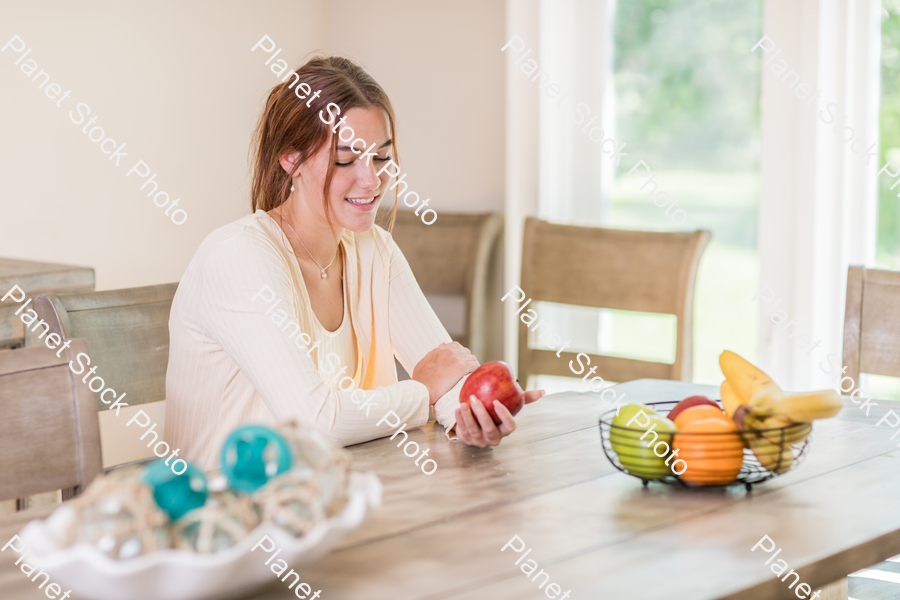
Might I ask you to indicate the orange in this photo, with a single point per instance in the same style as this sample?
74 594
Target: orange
712 450
695 413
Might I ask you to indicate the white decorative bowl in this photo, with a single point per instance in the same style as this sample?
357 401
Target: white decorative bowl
180 575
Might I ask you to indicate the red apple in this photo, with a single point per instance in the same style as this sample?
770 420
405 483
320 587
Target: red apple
688 403
494 381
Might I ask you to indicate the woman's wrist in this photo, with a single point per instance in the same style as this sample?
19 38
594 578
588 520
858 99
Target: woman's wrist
424 390
445 412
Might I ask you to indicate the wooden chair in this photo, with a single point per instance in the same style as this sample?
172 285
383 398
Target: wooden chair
49 433
872 323
611 268
128 334
35 278
871 341
452 257
871 333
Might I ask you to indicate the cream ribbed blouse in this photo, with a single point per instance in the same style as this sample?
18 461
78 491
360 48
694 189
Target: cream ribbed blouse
232 361
340 343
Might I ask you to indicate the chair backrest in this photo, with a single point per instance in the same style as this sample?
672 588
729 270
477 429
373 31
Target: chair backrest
872 323
49 432
452 257
35 278
128 333
611 268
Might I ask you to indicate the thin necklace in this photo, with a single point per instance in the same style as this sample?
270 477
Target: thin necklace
324 275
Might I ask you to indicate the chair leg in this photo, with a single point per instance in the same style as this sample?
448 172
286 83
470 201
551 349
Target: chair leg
836 590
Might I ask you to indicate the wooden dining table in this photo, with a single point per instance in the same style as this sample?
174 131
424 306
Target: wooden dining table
596 532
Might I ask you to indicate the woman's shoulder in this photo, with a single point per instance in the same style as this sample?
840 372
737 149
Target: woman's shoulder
254 226
250 238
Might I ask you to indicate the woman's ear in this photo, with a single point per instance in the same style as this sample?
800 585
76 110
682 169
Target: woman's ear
289 162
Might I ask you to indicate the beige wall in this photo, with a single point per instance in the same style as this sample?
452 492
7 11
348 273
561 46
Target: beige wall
173 80
441 65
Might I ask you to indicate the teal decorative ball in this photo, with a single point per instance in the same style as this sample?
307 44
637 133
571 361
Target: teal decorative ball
252 455
176 494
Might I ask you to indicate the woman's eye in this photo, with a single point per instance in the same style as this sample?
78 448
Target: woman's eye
347 164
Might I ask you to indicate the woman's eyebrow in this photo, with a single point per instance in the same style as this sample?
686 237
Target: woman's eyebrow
383 146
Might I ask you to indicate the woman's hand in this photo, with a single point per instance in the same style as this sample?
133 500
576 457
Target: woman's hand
479 430
443 367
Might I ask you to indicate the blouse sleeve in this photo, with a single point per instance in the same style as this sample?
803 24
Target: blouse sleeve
242 279
416 330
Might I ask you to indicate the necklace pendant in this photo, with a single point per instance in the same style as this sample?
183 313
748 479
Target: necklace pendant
324 275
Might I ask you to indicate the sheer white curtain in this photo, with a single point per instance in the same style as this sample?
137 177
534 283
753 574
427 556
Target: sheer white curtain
576 178
521 156
818 198
577 47
572 43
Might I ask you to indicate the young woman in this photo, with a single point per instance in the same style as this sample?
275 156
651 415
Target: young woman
297 310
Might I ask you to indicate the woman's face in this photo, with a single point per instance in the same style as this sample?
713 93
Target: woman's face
356 190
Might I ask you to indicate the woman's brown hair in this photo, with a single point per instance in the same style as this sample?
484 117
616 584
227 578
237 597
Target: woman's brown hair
287 125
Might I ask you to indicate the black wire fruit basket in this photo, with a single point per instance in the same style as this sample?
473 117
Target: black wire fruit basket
709 459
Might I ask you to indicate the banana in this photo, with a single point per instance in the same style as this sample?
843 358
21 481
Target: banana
730 399
764 398
802 408
767 451
768 454
796 434
756 403
747 381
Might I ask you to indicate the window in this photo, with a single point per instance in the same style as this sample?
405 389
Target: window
686 91
888 244
687 100
887 253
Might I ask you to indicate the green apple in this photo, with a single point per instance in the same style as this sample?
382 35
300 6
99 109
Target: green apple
637 455
627 412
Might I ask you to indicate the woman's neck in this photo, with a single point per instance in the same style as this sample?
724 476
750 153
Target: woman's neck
316 236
